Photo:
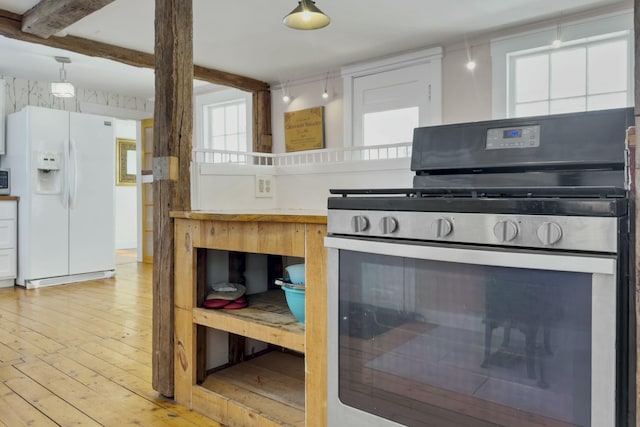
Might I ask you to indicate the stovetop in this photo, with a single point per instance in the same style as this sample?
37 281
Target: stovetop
575 201
491 192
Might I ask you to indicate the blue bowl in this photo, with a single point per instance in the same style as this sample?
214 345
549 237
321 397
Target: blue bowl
296 273
295 300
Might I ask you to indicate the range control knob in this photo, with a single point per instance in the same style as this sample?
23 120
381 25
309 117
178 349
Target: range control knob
505 231
549 233
388 224
441 227
359 223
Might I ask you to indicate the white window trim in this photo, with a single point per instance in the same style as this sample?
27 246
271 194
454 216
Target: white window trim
349 73
226 95
571 31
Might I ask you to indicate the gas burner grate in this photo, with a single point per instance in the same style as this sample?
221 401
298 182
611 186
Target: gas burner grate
581 192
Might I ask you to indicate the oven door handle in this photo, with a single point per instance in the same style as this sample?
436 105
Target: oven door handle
480 256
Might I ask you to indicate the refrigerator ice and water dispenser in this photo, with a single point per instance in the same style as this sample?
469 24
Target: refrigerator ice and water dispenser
49 179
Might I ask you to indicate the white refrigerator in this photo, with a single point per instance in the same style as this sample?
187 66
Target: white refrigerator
63 169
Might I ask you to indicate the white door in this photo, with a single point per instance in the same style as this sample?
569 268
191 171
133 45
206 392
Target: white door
47 229
92 184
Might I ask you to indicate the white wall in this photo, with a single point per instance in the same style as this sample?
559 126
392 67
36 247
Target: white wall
126 197
296 189
22 92
466 94
304 94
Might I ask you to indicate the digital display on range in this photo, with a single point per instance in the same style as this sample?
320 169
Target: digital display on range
513 137
512 133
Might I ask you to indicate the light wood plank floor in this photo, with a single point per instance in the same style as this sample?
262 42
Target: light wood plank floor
80 354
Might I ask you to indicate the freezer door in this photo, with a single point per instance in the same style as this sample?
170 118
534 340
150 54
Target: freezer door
46 230
91 191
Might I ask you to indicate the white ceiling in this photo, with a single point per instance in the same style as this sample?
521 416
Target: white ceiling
247 37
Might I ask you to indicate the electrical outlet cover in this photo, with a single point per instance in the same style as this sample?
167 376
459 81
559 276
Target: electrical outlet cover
264 186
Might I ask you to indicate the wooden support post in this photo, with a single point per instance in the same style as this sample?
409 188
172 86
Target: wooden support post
262 121
635 238
172 145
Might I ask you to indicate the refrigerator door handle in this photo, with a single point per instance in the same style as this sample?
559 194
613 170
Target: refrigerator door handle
73 175
65 176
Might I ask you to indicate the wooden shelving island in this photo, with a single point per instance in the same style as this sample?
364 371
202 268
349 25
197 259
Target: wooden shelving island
279 388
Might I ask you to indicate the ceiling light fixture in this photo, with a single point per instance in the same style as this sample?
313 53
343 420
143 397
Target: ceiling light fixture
63 89
306 16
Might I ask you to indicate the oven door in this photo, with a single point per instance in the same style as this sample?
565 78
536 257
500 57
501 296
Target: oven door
430 335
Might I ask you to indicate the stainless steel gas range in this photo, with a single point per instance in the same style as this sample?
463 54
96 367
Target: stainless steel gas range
495 291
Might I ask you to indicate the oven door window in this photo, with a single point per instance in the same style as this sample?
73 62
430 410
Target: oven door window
462 344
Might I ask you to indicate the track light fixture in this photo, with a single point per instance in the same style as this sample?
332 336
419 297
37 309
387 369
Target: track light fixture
286 98
557 42
471 64
325 93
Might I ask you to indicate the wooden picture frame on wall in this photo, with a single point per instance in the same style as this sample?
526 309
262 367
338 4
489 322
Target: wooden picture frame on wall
126 162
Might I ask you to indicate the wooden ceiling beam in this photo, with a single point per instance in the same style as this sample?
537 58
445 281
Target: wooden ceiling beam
10 26
49 17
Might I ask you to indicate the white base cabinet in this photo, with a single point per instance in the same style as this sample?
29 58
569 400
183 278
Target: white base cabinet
8 236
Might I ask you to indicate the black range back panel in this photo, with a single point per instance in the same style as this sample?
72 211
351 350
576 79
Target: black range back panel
566 141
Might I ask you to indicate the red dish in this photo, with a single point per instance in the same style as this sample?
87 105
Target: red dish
234 305
216 303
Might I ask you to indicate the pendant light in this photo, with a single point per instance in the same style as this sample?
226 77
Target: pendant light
306 16
557 42
471 63
286 98
63 89
325 93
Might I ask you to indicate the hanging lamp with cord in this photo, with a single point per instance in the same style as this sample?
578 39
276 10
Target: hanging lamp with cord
325 93
63 89
286 98
471 63
557 41
306 16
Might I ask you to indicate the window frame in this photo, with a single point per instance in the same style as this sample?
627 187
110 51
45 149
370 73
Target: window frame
584 31
395 70
208 133
512 57
221 97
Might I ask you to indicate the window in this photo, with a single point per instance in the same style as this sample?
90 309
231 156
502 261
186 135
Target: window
591 70
226 126
389 126
224 120
579 77
387 99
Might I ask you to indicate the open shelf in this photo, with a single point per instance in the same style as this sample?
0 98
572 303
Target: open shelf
267 318
269 388
246 393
